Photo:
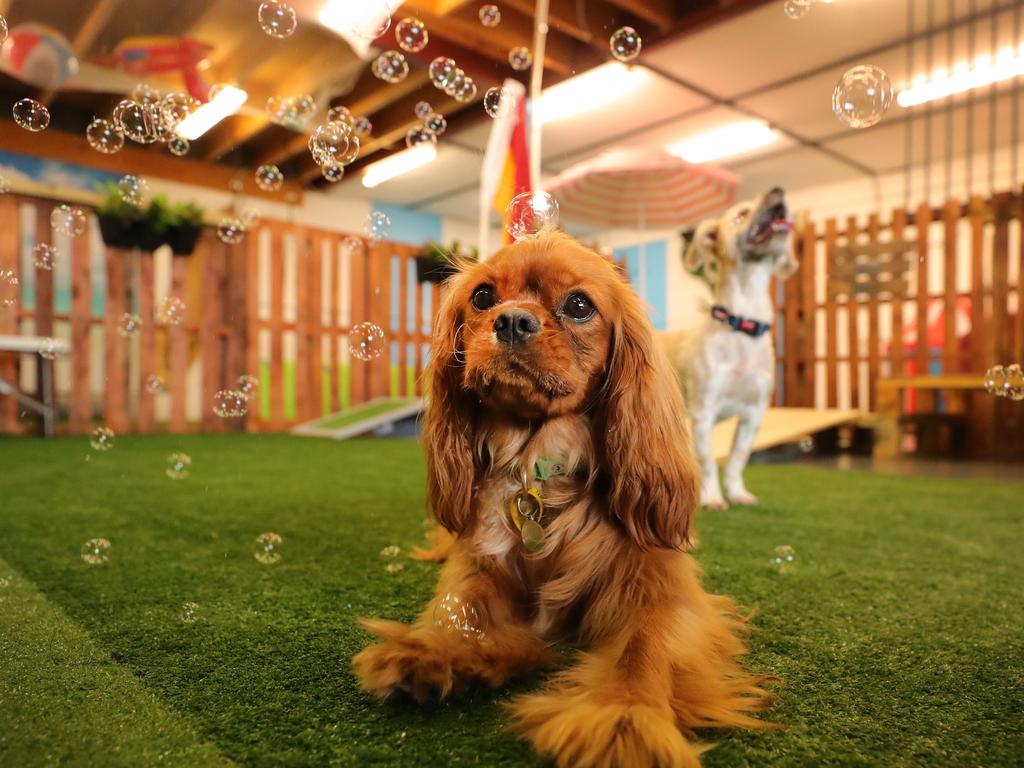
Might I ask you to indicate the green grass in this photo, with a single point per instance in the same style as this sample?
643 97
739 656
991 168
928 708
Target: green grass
363 412
898 634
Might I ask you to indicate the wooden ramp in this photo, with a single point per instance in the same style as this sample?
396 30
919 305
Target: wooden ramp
362 419
781 426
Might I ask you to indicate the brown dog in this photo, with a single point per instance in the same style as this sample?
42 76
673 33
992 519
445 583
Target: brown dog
559 457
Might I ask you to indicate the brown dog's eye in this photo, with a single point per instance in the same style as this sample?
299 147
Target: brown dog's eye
483 297
578 307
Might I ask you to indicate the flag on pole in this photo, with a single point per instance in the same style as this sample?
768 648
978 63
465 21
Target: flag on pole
506 167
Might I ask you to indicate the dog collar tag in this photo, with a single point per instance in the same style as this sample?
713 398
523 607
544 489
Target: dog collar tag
533 535
526 505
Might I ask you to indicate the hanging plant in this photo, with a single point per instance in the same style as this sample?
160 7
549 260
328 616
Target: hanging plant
437 263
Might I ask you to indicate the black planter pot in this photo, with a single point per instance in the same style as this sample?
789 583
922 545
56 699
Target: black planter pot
117 232
183 239
147 237
430 271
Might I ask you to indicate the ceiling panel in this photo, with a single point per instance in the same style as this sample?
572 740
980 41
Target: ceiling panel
791 170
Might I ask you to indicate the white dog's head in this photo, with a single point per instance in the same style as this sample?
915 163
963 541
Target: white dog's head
754 234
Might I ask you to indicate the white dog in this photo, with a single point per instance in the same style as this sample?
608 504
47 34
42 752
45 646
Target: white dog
728 367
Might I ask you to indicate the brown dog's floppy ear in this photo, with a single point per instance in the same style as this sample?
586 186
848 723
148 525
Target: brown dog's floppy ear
643 436
701 256
449 418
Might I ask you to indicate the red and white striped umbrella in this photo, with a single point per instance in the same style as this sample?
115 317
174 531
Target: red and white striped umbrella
641 188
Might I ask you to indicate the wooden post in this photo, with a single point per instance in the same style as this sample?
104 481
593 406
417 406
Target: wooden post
303 325
982 427
359 376
314 248
831 310
276 327
115 400
251 321
922 221
147 343
853 326
10 239
874 362
809 313
950 351
178 357
899 225
44 290
211 347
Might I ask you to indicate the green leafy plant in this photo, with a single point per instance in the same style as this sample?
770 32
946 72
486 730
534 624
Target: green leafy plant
113 203
159 214
187 215
449 255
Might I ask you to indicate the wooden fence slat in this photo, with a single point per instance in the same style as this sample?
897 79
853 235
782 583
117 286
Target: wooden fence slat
853 326
379 312
115 400
210 316
898 368
9 250
791 302
147 343
831 310
922 221
419 337
359 372
44 292
249 254
334 320
874 307
808 315
178 357
950 350
303 323
982 424
314 323
236 314
401 333
1019 353
277 420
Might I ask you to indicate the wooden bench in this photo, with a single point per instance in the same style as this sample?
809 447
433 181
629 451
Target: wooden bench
956 386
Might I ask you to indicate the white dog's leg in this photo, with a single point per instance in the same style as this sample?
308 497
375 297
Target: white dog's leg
742 443
710 490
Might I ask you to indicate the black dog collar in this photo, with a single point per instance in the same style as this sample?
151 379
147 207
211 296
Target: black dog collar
745 325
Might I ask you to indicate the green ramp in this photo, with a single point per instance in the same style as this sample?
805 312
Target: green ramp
362 419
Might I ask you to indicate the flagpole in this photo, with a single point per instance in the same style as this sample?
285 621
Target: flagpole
540 37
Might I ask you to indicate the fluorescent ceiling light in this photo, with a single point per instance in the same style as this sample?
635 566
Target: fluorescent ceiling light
585 93
394 166
1007 65
354 19
226 102
734 139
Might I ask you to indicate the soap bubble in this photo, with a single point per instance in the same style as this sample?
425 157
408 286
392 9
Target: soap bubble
1014 385
625 44
31 115
411 35
498 102
862 96
277 19
393 567
454 614
135 121
68 220
268 548
5 186
9 285
248 385
341 114
179 146
170 311
231 231
391 67
155 384
466 91
129 324
520 58
3 29
44 255
797 9
48 351
366 341
102 439
390 551
784 558
435 123
490 15
363 126
441 71
373 25
189 612
423 109
133 189
419 135
104 137
230 403
292 112
995 380
146 95
175 107
529 213
178 466
332 173
806 444
330 143
353 246
377 226
269 178
96 551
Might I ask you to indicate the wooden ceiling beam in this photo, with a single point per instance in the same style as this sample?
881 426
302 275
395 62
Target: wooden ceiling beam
600 18
87 35
464 29
660 13
69 148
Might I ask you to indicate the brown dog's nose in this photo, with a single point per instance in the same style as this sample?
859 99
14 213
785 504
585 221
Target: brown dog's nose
516 326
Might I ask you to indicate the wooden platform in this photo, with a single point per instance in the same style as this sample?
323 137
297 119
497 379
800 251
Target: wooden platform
781 426
362 419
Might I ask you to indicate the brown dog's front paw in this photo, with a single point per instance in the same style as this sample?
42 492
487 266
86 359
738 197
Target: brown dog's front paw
410 660
585 729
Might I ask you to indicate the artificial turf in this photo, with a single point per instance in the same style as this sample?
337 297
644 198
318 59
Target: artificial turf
898 633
